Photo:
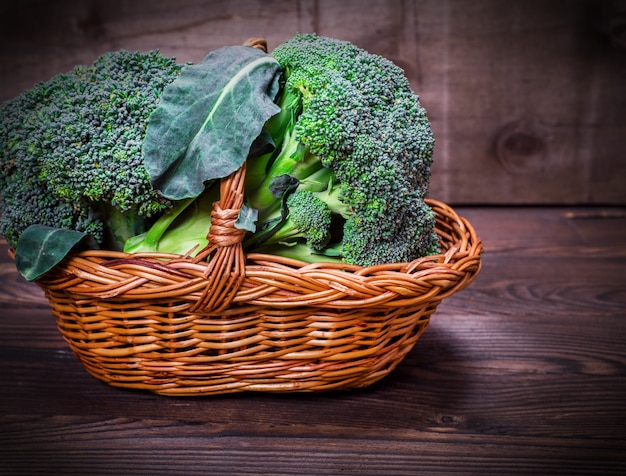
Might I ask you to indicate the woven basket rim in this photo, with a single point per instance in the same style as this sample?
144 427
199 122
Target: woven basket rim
270 280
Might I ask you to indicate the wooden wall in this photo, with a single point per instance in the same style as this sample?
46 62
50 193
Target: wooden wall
526 97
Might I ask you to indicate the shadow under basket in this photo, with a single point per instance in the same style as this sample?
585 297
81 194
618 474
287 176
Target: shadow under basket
224 321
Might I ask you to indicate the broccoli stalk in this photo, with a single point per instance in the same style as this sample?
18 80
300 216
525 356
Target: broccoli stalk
288 156
181 230
278 130
119 226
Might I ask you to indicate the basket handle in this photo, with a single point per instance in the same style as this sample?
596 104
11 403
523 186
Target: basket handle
259 43
226 267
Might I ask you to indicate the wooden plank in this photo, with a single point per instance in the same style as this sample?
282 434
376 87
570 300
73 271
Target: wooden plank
268 454
530 107
41 39
526 98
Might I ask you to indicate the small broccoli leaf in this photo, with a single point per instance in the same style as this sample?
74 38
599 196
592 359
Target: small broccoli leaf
264 144
283 185
246 220
208 119
40 248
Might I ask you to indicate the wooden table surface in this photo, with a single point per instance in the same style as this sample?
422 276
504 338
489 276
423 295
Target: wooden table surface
522 373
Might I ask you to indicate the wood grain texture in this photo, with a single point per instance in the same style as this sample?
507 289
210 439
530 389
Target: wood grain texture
526 97
524 372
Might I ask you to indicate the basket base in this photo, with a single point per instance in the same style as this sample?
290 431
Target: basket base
318 361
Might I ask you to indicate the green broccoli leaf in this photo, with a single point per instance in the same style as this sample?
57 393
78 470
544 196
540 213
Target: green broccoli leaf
246 220
208 119
41 248
282 184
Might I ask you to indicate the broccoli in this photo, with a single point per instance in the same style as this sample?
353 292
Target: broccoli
350 117
337 149
70 149
308 219
350 132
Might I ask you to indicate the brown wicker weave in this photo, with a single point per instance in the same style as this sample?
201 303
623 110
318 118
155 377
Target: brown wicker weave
226 322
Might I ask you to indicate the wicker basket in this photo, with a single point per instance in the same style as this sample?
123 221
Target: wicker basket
227 322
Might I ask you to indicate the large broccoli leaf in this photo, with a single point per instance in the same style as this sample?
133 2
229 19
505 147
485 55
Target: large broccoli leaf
208 118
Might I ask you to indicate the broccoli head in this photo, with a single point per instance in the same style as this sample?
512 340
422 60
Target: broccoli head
350 136
70 149
354 114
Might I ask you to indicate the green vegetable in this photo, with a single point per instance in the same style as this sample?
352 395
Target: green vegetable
207 124
70 150
208 119
350 119
128 151
179 230
308 218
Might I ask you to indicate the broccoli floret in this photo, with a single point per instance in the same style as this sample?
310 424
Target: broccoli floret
350 132
24 199
308 220
70 149
354 114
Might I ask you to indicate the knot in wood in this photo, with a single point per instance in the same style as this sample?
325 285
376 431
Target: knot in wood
223 232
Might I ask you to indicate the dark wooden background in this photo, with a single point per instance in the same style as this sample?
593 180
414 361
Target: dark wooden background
522 373
526 97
